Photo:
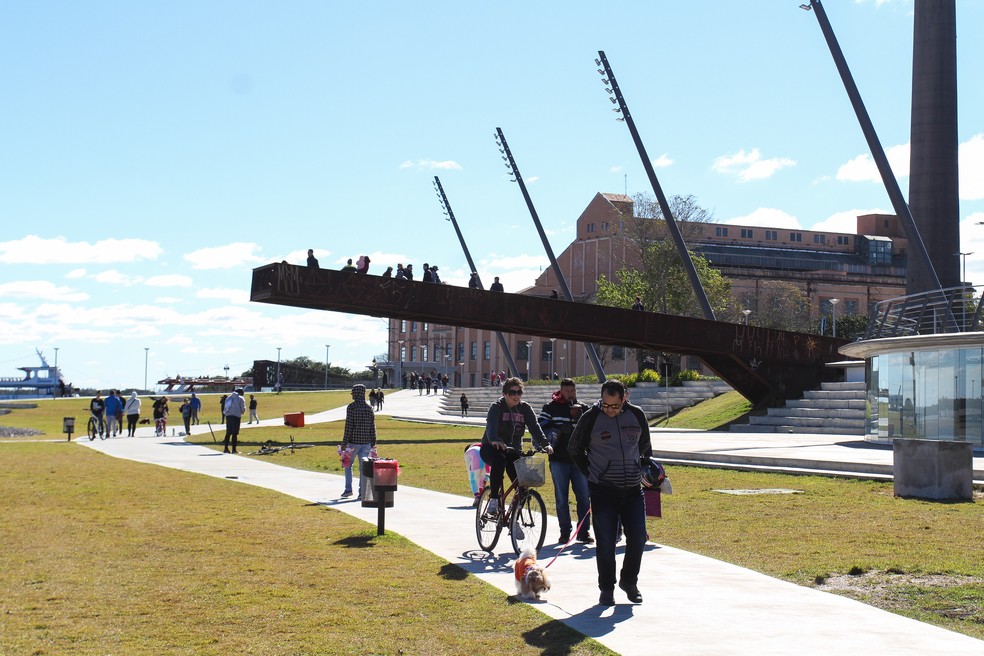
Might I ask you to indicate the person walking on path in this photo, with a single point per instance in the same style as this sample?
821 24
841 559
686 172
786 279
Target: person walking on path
235 408
222 402
359 434
608 446
558 419
132 412
186 415
113 409
464 404
379 399
507 421
196 407
252 410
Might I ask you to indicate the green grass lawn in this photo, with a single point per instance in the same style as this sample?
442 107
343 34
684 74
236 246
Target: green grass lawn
99 555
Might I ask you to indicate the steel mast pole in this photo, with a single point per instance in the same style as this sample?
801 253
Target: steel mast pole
874 145
671 224
503 344
511 165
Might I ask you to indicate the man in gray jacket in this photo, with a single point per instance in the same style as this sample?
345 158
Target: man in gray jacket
608 445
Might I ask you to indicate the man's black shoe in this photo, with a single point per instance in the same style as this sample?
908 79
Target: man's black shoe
585 538
632 592
607 598
564 538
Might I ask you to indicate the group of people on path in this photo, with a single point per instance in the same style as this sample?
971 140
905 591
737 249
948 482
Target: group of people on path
420 382
599 452
430 273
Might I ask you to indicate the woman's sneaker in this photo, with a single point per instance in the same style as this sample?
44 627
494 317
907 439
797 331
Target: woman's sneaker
493 508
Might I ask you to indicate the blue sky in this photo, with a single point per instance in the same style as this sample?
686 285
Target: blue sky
153 153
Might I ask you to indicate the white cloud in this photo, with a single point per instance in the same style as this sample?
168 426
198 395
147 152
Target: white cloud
114 277
616 169
169 280
225 257
429 164
532 179
226 294
168 300
662 161
41 290
862 168
971 161
750 165
75 274
846 221
37 250
766 217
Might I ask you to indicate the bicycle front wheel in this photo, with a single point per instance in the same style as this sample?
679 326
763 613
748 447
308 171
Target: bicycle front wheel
92 429
529 523
487 527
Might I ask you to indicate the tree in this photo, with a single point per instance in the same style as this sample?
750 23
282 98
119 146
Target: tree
654 271
784 306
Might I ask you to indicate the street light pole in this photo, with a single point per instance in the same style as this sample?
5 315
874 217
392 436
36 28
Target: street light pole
746 313
277 382
56 360
146 353
963 295
833 306
529 357
553 344
327 347
400 342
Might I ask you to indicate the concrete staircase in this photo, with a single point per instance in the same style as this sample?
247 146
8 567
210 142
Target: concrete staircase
836 408
651 397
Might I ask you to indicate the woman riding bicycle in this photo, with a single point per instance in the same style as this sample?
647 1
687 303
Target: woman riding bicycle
506 423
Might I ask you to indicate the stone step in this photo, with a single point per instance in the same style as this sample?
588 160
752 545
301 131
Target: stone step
848 404
820 413
833 395
856 387
806 422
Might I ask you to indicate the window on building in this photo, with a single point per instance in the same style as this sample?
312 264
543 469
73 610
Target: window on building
843 240
605 225
413 354
772 235
403 326
721 231
488 350
423 351
819 239
591 227
747 233
545 350
618 353
474 351
413 326
796 236
461 351
522 351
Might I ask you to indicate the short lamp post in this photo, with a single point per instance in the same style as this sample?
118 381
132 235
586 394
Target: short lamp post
553 343
146 354
529 357
833 314
400 347
327 364
746 313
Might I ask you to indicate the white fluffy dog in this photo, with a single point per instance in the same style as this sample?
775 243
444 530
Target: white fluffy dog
531 578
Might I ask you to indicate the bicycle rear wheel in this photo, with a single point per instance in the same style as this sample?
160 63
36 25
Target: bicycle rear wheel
92 429
487 527
529 522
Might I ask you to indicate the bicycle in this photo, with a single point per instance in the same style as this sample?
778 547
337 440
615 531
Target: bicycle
96 427
525 514
268 448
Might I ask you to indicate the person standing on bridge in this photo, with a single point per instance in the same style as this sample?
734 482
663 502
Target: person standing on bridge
312 261
608 445
496 286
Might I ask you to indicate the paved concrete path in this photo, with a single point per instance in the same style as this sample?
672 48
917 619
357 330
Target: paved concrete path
693 605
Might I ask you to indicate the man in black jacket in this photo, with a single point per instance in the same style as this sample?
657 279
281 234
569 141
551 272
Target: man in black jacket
558 419
608 446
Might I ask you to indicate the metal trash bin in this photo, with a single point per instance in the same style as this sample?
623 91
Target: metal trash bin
370 497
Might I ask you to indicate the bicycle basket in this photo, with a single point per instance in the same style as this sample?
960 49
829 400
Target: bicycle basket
531 471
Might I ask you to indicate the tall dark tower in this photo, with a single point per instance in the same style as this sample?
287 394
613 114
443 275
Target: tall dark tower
933 170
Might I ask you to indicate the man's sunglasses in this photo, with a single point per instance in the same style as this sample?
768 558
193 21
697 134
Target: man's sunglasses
611 406
515 392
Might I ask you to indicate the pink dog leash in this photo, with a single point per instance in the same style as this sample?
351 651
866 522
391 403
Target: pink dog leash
574 535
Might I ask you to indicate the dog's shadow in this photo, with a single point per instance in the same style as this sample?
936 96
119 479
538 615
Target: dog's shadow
556 637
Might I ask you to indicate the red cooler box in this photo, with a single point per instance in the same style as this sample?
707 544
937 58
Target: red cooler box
294 419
